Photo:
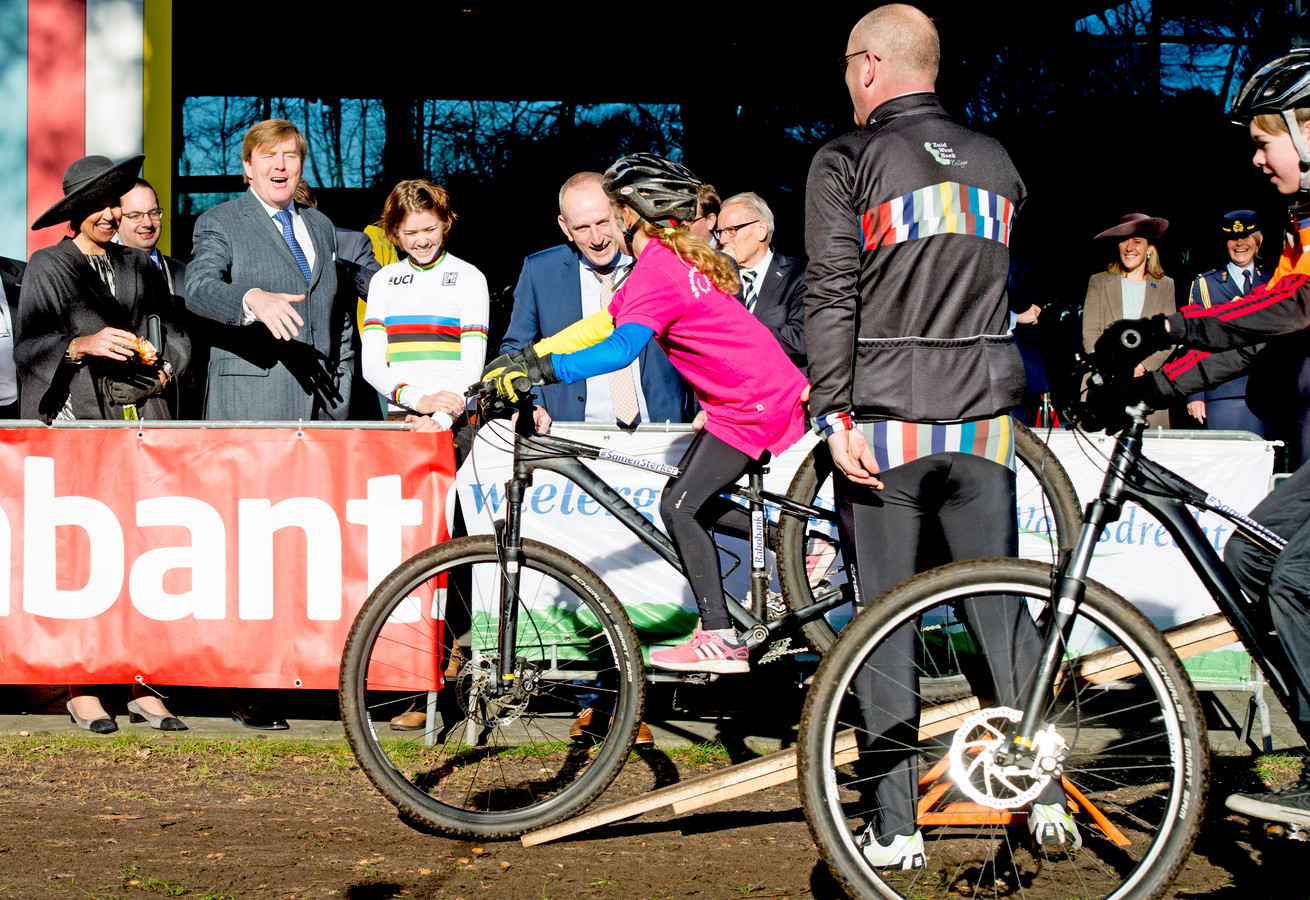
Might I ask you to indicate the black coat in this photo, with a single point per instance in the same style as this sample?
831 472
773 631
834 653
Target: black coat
64 298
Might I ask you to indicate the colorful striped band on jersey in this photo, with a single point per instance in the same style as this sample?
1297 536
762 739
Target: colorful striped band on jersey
946 208
896 443
436 261
421 337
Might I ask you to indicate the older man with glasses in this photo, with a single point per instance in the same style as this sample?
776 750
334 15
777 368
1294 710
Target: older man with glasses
772 285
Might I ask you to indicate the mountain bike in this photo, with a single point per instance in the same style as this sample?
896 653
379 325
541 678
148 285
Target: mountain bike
547 638
1109 713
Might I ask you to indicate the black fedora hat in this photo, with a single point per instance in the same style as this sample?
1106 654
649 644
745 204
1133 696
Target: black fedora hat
91 179
1136 225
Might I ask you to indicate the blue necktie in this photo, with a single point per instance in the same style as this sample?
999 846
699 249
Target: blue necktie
283 217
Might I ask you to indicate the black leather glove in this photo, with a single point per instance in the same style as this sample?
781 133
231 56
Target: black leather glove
132 388
1127 342
1105 407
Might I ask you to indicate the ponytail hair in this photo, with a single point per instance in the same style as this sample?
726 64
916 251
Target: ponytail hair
696 252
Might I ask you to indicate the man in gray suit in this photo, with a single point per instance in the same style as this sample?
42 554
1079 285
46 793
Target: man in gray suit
264 277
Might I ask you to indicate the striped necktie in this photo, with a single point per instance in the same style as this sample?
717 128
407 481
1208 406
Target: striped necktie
748 289
283 217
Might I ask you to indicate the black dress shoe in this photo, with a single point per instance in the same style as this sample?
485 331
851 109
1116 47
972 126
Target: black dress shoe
259 718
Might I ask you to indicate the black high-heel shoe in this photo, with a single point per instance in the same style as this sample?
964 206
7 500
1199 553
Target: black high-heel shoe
160 723
103 725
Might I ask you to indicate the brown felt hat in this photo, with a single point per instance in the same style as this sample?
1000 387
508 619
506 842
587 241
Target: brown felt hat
1137 225
91 179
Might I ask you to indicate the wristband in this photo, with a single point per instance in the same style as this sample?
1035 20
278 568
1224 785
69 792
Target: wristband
830 424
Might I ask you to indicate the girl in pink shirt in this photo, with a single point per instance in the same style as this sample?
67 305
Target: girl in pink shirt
681 292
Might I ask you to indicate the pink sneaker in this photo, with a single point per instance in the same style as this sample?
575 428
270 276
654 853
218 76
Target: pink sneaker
705 652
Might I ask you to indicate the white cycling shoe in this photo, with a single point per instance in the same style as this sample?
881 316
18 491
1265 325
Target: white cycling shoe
1052 826
905 851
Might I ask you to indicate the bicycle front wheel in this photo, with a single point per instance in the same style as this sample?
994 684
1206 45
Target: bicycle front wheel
500 761
1122 733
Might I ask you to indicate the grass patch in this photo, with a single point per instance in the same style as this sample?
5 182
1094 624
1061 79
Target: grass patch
1278 769
706 753
252 754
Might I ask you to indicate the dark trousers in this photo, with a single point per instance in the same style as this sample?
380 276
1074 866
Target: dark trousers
689 505
941 508
1281 583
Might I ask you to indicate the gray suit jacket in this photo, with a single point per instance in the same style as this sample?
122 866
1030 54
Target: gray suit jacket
252 375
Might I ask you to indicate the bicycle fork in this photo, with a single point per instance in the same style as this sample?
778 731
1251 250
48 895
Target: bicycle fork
1070 588
509 542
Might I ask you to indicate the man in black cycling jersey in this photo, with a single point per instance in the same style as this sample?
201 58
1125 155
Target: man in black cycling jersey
1274 103
907 228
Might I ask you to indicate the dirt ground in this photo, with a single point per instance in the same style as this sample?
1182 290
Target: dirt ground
138 816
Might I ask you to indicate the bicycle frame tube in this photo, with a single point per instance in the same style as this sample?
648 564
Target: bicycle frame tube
1131 477
564 457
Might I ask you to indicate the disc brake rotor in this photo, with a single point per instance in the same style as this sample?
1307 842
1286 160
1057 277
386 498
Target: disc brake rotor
475 699
977 770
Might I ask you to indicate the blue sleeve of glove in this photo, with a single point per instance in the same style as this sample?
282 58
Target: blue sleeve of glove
615 352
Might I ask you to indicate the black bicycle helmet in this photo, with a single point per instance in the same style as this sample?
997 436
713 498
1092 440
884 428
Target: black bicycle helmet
1279 86
660 191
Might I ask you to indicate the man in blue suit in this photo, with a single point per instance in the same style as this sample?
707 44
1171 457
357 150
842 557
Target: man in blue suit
1224 408
564 284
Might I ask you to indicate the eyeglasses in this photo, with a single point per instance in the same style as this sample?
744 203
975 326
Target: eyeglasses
134 216
732 229
846 60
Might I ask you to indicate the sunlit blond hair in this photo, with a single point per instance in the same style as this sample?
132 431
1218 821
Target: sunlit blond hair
699 254
1274 123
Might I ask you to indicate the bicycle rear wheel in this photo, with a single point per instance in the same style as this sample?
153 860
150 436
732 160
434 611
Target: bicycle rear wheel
500 763
810 566
1127 737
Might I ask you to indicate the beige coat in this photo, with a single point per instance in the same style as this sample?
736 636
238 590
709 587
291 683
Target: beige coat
1104 304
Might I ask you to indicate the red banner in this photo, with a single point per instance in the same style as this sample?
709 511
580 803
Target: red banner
210 557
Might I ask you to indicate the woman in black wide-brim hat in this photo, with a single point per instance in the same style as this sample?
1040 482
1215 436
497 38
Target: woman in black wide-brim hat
87 347
1133 286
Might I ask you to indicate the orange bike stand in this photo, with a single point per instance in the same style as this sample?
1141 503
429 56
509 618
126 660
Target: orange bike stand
935 783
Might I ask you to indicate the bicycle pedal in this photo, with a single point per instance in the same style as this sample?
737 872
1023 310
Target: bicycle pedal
698 677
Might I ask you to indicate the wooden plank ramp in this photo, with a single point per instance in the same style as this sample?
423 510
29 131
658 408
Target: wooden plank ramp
1099 667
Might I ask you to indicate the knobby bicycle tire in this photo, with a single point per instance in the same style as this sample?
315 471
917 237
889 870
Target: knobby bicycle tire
498 765
810 565
1136 752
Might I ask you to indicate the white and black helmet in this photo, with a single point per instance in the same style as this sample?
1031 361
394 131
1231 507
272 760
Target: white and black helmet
1279 86
659 190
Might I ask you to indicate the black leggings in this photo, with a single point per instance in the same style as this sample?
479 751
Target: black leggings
689 506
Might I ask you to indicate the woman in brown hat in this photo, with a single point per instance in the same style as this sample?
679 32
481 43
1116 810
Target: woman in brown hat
1133 286
97 338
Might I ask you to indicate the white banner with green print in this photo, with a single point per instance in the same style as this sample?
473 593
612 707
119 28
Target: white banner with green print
1136 558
